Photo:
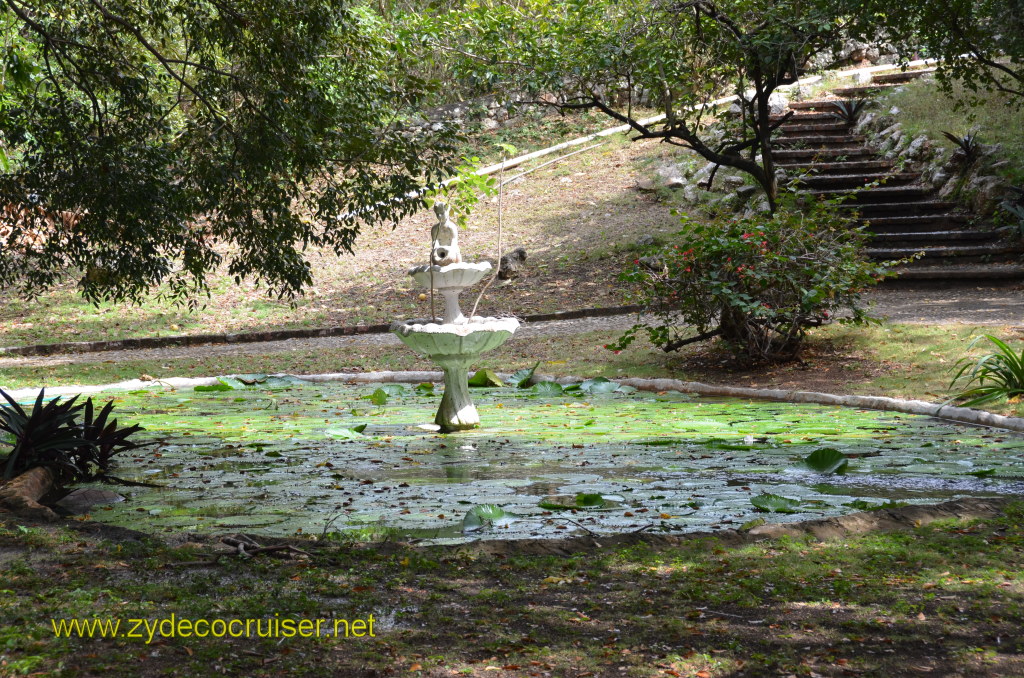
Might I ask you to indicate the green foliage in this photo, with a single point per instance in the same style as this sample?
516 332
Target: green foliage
827 460
485 378
994 376
51 435
485 515
757 282
521 378
150 143
849 111
980 42
463 191
614 56
774 503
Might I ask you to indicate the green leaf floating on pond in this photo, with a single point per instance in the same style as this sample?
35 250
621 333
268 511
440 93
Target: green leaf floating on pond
485 515
547 389
774 503
484 378
581 500
426 388
827 460
354 432
521 378
379 397
219 386
589 500
599 385
982 473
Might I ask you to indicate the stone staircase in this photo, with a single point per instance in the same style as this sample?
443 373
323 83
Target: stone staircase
903 215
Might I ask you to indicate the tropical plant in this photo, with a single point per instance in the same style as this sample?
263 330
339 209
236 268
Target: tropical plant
46 436
991 377
849 110
759 282
967 145
51 435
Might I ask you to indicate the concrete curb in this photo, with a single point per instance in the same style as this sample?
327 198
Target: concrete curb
271 335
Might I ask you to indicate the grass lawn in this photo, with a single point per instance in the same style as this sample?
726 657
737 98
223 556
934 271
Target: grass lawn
940 600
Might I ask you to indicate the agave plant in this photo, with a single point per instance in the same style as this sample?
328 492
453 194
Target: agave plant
849 110
51 435
46 436
994 375
967 144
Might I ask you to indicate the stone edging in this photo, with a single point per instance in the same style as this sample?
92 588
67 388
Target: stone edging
271 335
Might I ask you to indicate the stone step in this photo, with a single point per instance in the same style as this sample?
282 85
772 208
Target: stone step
851 140
841 181
944 253
956 275
861 91
917 222
829 129
897 239
900 78
849 167
882 194
818 104
805 118
892 209
815 154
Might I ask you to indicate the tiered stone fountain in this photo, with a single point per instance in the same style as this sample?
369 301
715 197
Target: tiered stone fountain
456 341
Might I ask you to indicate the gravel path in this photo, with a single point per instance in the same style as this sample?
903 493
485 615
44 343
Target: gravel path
980 306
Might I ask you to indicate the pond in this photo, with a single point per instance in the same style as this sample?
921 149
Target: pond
284 456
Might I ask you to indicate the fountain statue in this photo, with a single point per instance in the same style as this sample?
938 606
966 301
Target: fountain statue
456 341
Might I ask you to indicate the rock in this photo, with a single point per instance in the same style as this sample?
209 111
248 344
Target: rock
646 185
512 264
489 123
645 240
675 182
778 103
656 264
733 181
746 192
939 178
916 148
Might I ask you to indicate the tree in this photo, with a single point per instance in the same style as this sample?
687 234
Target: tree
148 142
979 42
680 55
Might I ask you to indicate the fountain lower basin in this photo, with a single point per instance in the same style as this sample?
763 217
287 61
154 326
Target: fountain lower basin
455 347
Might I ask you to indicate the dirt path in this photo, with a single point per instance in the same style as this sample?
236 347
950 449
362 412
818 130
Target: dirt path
975 306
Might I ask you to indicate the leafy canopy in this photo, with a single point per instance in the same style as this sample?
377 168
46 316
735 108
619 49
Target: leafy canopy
149 142
678 56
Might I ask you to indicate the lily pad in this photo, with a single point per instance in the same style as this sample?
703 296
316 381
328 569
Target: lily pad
351 433
483 516
485 378
521 378
774 503
827 460
599 385
547 389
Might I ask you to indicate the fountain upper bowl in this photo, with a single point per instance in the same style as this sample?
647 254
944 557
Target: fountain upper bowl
470 338
453 276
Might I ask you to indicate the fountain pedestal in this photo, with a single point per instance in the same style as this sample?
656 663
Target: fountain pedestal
457 341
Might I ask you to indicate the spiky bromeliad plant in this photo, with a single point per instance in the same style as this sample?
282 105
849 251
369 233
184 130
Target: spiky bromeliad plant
992 376
51 435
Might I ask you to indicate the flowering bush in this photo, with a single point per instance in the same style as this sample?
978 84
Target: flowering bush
756 282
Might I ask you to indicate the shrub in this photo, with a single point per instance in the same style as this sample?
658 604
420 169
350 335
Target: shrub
51 435
759 283
995 375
